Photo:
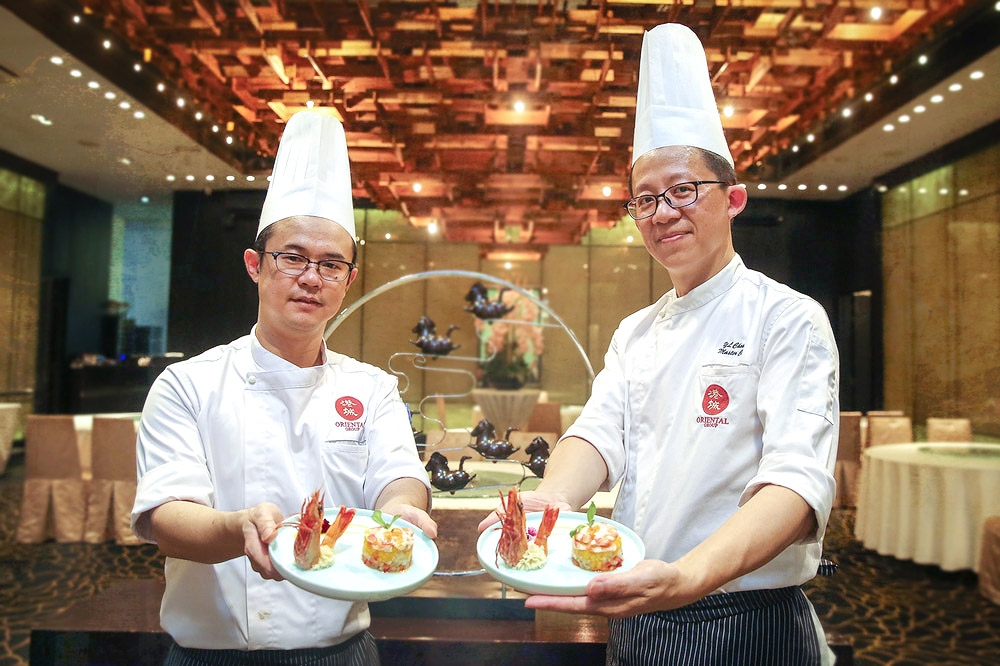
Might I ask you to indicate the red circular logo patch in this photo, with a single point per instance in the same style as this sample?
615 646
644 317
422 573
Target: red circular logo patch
715 401
350 408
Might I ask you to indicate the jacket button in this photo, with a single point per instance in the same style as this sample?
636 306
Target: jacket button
251 379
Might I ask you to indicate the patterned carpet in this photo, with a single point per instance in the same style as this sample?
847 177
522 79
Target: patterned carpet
895 613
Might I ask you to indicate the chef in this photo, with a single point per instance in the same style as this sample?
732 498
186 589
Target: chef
716 411
233 440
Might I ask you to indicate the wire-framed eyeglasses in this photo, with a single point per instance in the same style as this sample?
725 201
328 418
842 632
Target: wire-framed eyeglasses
677 196
331 270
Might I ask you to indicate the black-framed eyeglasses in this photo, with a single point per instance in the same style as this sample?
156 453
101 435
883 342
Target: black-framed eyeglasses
331 270
677 196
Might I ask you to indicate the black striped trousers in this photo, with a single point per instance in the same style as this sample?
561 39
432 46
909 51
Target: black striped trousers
360 650
754 628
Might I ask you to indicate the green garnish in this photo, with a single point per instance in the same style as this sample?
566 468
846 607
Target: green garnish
378 518
591 512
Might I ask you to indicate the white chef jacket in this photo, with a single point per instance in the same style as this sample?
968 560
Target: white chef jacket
706 397
238 425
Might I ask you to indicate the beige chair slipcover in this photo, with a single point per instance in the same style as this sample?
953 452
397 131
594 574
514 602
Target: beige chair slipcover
848 467
889 430
949 430
112 486
53 485
9 412
546 417
989 560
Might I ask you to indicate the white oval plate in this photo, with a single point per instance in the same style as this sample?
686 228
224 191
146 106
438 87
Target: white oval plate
559 576
348 578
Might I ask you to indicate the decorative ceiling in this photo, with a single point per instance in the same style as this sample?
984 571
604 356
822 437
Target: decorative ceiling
501 122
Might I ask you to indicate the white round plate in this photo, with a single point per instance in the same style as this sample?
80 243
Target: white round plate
348 578
559 576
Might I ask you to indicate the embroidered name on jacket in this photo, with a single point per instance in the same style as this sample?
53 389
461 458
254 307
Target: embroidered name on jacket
714 402
351 410
731 348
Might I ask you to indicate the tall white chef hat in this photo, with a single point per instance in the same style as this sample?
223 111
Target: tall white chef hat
312 173
675 105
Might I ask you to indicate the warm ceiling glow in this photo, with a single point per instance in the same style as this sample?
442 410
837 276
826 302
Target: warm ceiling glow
606 191
888 127
189 178
75 73
869 97
198 115
919 108
388 236
875 13
802 186
139 115
795 149
922 60
229 140
782 187
210 178
106 43
124 105
230 178
976 75
310 104
171 178
937 99
109 95
250 179
841 188
955 87
728 111
846 113
160 87
417 187
56 60
821 188
904 118
180 102
144 199
432 228
39 118
893 79
810 138
519 106
629 238
761 186
93 85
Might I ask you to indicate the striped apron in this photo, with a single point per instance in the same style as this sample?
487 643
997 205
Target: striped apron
359 650
757 627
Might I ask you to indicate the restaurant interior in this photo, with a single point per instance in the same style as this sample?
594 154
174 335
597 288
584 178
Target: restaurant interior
490 145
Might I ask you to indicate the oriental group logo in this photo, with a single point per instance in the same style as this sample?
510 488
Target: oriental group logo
350 409
714 402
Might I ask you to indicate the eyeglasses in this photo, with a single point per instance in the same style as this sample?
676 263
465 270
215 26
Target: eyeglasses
331 270
678 196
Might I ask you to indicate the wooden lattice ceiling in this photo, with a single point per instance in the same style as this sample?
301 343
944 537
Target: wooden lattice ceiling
427 90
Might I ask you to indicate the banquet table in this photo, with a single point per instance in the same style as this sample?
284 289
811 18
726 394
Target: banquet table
928 501
506 409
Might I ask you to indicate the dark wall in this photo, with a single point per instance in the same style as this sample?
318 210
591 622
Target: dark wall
830 251
76 249
212 299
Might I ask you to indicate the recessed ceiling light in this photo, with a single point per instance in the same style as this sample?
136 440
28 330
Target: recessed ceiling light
93 85
937 99
198 115
189 177
919 108
802 186
171 178
882 188
922 190
229 140
126 161
432 228
782 187
922 60
630 238
943 191
106 43
144 199
215 128
810 138
137 67
846 113
230 178
875 12
388 236
869 97
180 102
75 73
160 87
728 111
904 118
888 127
976 75
606 191
841 188
310 104
56 60
42 120
893 79
795 149
417 187
821 188
955 87
519 106
124 105
210 178
109 95
139 115
76 19
963 192
761 186
250 179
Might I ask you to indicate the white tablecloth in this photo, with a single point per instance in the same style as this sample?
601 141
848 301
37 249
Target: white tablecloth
927 501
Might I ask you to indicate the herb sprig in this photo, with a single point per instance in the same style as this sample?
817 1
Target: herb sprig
591 512
378 518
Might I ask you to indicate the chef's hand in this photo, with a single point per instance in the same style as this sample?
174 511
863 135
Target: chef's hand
532 501
652 585
413 515
259 529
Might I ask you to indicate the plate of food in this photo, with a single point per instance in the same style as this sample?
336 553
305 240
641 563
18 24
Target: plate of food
367 558
580 546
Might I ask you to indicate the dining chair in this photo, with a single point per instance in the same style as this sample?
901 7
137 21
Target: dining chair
949 430
848 467
112 487
53 483
546 417
889 430
9 414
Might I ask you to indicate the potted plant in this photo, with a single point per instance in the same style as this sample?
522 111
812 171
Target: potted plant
511 347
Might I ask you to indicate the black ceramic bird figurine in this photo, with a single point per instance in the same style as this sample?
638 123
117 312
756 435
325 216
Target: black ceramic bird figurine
482 306
429 341
444 478
487 444
538 451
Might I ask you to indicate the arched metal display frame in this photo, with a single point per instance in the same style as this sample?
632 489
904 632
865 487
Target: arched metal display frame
419 359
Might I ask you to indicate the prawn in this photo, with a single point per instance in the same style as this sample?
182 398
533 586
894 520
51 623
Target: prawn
513 542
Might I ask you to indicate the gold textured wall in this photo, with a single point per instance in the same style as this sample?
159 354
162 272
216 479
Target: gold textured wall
941 270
